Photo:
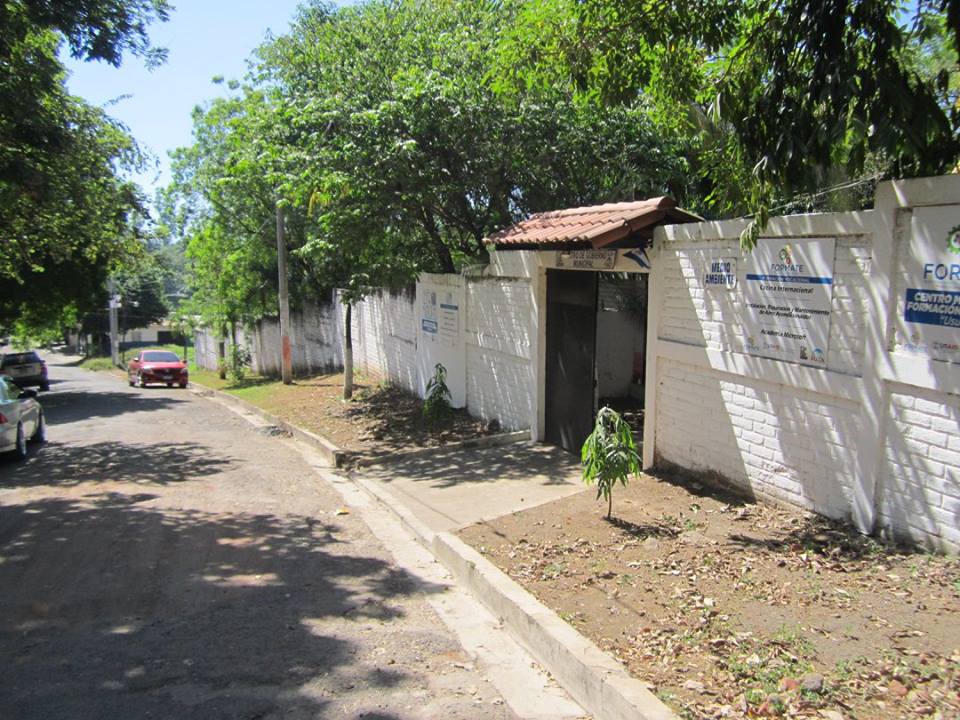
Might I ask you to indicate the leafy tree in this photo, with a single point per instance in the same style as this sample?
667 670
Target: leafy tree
775 97
64 211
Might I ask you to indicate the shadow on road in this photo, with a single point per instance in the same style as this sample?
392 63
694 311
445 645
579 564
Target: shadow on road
72 406
114 609
144 464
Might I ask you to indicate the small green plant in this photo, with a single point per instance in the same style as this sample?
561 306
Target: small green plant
436 405
609 455
239 362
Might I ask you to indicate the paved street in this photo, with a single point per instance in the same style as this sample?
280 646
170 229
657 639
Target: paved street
161 557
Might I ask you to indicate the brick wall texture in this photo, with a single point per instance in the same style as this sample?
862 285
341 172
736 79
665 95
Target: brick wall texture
784 441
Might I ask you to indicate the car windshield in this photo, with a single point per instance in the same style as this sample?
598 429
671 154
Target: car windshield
160 357
20 358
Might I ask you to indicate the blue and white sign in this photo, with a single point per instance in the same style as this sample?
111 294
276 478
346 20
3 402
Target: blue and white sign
788 292
928 317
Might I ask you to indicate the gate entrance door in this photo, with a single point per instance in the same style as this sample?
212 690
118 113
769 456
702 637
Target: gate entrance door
571 345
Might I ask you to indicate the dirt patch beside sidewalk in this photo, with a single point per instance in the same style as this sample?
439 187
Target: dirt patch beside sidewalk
379 420
730 608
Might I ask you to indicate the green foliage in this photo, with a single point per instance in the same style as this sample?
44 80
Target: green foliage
65 211
380 132
436 404
771 100
609 455
238 363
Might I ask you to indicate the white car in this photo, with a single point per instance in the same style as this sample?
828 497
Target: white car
21 418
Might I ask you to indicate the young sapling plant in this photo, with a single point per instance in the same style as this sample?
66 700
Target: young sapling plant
436 405
609 455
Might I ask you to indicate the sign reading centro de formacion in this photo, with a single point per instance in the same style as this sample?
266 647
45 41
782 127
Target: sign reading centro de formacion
929 313
788 291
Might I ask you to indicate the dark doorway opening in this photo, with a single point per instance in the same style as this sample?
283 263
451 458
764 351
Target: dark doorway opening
570 400
595 352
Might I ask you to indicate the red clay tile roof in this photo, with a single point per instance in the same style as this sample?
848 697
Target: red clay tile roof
599 225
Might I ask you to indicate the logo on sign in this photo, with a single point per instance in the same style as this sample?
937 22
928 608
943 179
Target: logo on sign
953 240
786 255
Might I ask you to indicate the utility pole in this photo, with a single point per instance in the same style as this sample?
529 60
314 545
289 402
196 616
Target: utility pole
114 325
286 361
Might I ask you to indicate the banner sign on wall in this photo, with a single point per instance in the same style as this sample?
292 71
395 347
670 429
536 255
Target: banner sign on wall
788 289
929 309
441 338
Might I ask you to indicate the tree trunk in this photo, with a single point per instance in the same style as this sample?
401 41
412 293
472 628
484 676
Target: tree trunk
439 246
609 506
348 353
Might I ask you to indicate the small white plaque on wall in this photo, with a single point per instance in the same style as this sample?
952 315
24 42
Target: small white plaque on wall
928 307
788 292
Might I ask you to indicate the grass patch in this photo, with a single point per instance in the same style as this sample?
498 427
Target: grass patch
97 364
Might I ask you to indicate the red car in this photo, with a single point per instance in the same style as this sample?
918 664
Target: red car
157 366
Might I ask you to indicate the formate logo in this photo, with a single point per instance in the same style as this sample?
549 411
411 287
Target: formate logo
786 255
953 240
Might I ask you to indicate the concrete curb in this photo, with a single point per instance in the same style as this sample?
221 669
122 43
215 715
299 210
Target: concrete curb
593 678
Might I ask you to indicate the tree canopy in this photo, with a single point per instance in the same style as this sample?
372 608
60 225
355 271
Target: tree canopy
777 97
65 211
379 129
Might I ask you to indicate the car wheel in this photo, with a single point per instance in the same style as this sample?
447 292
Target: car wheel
40 434
140 382
183 386
20 451
45 387
130 382
169 384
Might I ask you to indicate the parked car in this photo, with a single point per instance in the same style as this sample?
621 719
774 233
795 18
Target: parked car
26 369
21 418
157 366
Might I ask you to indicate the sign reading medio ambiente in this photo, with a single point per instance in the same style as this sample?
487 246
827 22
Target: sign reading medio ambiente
788 291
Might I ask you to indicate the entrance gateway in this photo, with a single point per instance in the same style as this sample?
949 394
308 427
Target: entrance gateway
596 272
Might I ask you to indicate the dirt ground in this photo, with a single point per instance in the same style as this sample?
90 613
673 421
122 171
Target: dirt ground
379 420
731 608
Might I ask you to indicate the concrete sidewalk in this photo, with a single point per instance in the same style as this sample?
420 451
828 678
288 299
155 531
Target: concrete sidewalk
452 488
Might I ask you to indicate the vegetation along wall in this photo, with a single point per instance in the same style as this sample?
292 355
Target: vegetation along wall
823 368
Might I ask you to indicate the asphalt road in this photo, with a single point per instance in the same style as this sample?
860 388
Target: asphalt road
162 558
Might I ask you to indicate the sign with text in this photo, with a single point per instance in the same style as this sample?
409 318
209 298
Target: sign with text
441 300
719 273
928 314
587 259
788 291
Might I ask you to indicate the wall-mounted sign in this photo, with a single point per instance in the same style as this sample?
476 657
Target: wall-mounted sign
929 309
587 259
788 288
720 272
441 338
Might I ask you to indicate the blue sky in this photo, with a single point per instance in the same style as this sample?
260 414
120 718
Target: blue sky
205 38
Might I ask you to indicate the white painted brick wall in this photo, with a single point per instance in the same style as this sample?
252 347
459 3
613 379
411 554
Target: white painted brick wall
500 331
384 339
920 492
316 335
791 445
